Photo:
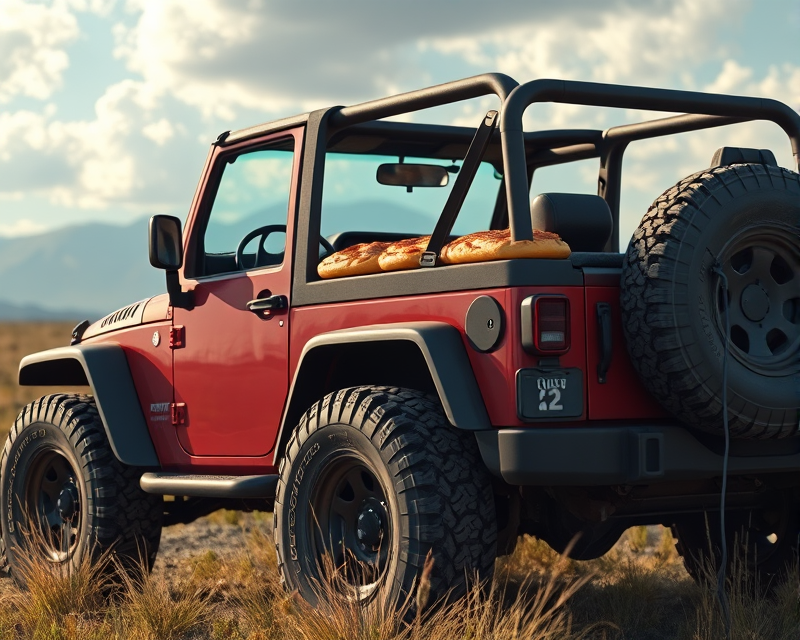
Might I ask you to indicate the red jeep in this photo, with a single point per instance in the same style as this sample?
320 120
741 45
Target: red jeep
447 408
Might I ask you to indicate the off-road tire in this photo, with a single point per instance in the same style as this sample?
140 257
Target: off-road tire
114 513
438 494
673 309
698 542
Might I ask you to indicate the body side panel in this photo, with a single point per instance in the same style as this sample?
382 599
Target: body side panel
623 395
494 371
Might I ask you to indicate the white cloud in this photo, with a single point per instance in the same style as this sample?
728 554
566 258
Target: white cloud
124 156
276 56
99 7
159 132
649 43
32 41
22 227
268 174
730 78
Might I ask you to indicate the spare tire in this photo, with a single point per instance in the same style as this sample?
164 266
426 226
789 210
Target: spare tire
745 220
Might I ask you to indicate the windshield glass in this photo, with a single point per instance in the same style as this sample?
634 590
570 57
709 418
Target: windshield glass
353 199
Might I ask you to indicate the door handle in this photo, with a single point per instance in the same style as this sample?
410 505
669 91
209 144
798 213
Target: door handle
267 306
604 340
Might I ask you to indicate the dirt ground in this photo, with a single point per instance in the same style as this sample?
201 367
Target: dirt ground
224 533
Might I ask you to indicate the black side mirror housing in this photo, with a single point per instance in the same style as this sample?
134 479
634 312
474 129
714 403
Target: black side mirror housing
166 243
165 240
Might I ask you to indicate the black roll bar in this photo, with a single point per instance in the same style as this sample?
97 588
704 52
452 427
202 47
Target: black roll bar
498 84
733 108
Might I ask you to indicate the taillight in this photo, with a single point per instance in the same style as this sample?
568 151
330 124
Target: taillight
545 324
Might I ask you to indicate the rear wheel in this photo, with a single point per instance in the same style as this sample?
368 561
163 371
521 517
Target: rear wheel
373 479
762 541
65 496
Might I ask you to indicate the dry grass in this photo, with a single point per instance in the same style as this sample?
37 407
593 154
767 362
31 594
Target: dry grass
241 598
18 339
630 593
152 609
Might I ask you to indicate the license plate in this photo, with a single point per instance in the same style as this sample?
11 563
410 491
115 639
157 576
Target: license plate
549 393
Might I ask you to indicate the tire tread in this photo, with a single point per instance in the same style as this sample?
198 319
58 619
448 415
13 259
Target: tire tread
121 515
438 473
655 316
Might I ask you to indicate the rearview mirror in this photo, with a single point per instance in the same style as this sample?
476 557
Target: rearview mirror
412 175
166 243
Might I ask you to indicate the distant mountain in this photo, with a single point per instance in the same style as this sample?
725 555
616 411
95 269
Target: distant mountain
98 268
12 312
94 267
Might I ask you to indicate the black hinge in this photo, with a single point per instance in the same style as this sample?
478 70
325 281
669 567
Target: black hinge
178 410
177 337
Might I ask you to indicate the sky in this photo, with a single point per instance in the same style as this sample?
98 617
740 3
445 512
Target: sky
108 107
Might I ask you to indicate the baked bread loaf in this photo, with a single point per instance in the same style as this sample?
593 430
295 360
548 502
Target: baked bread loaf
483 246
403 254
358 260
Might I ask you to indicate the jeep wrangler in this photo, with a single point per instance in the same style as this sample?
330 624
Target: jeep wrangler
445 409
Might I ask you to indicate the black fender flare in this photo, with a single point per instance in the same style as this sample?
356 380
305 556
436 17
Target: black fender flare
442 348
104 368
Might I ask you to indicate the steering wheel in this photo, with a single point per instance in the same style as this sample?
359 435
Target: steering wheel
262 256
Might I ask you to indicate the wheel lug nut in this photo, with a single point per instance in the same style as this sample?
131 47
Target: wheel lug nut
68 502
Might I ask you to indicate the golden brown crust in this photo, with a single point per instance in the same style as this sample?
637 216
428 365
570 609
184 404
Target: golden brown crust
497 245
358 260
482 246
403 254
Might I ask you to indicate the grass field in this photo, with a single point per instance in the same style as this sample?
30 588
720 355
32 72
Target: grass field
18 339
638 591
231 591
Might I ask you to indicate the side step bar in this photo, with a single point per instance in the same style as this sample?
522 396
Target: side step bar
205 486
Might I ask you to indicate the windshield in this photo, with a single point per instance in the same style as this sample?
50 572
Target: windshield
353 199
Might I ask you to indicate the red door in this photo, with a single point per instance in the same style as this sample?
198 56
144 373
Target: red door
231 375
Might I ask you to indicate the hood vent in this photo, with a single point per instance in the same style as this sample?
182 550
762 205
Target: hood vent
125 317
122 315
129 316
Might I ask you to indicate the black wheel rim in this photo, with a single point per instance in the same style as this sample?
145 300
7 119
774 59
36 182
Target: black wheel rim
762 267
761 537
352 526
53 505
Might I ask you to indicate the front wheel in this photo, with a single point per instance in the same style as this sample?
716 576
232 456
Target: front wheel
373 479
65 496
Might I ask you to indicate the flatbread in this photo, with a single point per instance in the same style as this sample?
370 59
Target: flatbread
358 260
403 254
497 245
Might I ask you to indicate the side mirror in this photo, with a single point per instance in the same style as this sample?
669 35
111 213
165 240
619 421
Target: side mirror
413 175
166 243
166 252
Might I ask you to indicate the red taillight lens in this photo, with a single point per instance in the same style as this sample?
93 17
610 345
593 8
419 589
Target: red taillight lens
551 323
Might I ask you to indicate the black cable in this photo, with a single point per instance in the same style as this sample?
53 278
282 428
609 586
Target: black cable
721 594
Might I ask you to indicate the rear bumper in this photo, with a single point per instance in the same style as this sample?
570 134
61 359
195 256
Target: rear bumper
609 455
